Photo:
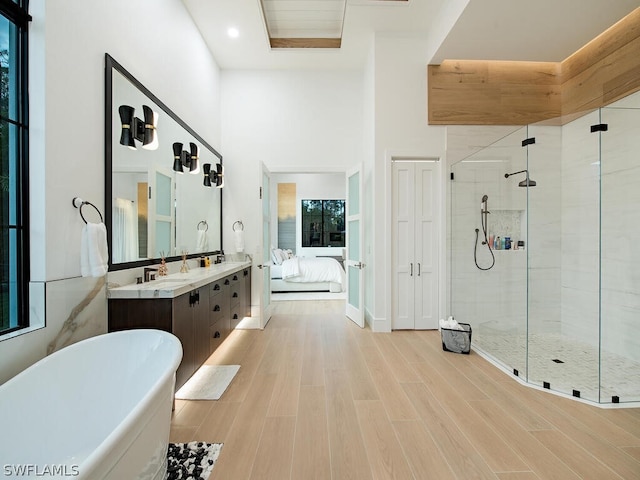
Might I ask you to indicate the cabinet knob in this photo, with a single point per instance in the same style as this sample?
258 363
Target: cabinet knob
216 286
235 316
235 277
235 294
216 308
216 335
226 282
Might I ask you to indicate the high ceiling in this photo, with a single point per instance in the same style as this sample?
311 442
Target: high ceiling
540 30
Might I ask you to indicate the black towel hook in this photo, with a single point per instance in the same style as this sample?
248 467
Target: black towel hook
79 203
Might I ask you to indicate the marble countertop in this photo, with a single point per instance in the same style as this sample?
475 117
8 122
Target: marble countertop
176 284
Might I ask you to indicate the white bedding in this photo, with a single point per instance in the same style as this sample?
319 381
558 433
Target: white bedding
276 271
307 269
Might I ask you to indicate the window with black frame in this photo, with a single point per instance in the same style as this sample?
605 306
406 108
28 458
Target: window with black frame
323 223
14 263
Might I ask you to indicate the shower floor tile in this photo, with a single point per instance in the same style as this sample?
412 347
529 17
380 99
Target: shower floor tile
565 364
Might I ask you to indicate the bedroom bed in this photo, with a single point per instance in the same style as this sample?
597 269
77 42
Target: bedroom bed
308 274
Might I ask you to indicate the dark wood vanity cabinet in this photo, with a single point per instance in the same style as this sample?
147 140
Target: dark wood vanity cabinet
201 318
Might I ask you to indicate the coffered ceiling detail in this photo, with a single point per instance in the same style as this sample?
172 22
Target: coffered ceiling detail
305 23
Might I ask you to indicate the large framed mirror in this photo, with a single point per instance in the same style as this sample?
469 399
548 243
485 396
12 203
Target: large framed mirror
152 211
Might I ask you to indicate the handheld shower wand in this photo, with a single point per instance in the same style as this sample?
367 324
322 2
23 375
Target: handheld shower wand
484 212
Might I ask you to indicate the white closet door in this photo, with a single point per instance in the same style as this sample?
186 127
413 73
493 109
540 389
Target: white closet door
415 222
403 238
425 252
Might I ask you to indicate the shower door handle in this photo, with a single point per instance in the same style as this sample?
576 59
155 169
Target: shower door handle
411 269
418 269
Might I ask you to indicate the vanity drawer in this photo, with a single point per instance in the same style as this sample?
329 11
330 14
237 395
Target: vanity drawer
218 306
217 287
217 334
236 316
234 297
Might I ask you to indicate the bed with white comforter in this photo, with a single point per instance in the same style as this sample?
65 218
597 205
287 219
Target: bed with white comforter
308 273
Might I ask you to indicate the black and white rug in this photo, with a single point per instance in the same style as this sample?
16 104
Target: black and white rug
191 461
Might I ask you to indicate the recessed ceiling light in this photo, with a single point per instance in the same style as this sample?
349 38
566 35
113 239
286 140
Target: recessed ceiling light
233 32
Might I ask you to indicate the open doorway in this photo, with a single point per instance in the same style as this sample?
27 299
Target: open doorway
308 238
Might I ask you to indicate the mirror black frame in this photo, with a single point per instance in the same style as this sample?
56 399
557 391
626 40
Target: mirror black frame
110 65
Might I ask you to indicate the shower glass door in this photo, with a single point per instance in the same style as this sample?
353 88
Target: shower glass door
620 255
489 282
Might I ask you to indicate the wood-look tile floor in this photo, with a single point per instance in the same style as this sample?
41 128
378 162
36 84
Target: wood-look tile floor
317 397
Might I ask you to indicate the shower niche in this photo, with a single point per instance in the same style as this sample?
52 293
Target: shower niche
507 224
561 314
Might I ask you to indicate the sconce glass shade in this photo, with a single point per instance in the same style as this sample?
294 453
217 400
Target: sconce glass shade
195 157
206 168
150 135
177 157
127 120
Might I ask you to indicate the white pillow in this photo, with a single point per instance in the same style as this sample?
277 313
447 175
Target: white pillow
274 257
280 255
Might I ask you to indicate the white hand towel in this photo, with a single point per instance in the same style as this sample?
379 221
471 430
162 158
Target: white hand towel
201 241
94 255
239 240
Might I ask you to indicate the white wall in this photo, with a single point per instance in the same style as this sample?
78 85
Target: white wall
292 121
401 129
309 186
157 42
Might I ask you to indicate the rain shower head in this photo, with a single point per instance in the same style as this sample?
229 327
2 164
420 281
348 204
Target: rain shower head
527 182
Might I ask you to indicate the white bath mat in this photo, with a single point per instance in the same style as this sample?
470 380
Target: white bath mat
208 383
191 461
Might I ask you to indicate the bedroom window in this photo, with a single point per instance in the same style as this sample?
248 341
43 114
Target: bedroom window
323 223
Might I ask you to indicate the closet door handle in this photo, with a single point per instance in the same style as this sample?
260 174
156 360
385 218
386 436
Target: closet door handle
418 269
411 269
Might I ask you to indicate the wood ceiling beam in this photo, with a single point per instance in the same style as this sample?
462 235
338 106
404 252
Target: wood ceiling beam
305 42
474 92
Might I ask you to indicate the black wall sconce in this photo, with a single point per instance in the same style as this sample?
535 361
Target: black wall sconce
213 177
135 129
186 160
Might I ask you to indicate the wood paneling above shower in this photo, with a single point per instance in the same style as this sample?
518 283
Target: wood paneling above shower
476 92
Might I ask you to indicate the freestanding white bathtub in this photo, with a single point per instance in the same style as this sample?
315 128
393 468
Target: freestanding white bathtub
98 409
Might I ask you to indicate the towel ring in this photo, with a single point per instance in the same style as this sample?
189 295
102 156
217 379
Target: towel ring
204 223
240 226
79 203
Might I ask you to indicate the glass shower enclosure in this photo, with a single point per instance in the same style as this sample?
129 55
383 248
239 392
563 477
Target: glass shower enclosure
543 257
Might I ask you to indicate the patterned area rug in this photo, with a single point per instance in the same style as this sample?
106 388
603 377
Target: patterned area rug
191 461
